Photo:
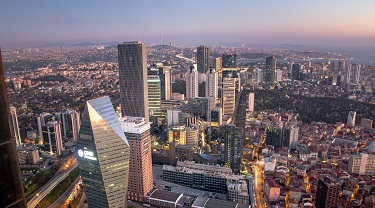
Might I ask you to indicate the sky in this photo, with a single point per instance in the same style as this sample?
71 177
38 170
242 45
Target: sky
304 22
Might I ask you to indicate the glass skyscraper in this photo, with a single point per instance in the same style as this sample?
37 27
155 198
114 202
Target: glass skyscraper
103 155
203 57
11 188
132 62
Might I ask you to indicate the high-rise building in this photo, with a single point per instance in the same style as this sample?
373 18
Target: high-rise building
211 83
231 139
137 132
270 74
251 100
192 83
362 164
347 74
351 118
203 58
52 138
230 81
357 72
164 73
259 76
229 60
133 79
16 129
328 193
70 121
154 95
177 134
297 68
216 63
11 187
289 136
103 155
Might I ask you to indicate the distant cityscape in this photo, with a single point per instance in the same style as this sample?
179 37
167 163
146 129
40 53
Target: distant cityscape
168 125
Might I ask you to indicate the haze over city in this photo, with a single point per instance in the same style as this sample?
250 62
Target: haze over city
318 23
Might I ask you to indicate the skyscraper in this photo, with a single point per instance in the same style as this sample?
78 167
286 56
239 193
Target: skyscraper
347 74
70 122
137 132
229 60
357 72
192 83
52 137
231 139
328 193
154 95
251 101
11 187
211 83
133 79
216 63
270 70
164 74
203 57
103 155
230 82
296 71
16 129
351 118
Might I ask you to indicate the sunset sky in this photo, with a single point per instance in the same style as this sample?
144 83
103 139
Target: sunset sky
316 22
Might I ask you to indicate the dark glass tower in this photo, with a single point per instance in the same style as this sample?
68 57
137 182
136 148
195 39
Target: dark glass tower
11 188
203 57
132 63
231 139
270 70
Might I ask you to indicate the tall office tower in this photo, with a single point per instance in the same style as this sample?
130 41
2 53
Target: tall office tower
357 72
203 59
103 155
154 95
290 65
342 65
132 61
216 63
16 128
259 76
351 118
230 82
52 138
347 74
211 83
70 122
192 83
164 74
251 99
279 75
328 193
270 73
231 139
137 131
11 187
229 60
296 71
41 121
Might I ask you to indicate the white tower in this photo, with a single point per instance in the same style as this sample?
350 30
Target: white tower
251 101
347 74
192 83
211 83
356 74
16 129
351 118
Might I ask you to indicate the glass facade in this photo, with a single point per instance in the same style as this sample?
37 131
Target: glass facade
11 188
133 79
154 95
103 155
